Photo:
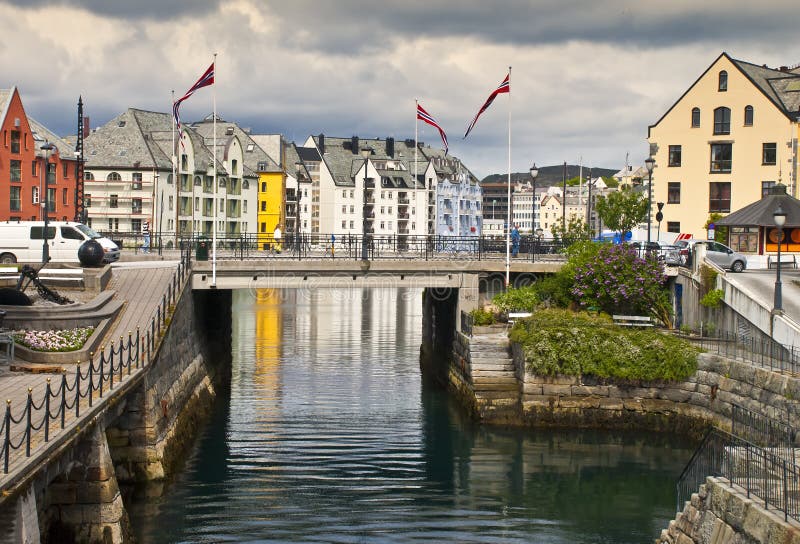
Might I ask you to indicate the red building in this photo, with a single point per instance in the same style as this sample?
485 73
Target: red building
25 145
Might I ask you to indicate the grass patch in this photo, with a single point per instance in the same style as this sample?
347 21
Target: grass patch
561 342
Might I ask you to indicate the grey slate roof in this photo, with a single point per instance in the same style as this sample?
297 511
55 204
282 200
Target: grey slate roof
127 142
42 133
292 161
308 154
782 88
252 159
759 214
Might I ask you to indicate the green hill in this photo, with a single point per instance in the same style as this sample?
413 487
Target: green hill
550 175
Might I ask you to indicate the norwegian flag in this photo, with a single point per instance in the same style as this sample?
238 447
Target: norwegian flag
205 80
505 87
425 116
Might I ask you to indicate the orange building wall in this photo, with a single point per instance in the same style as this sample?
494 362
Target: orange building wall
28 180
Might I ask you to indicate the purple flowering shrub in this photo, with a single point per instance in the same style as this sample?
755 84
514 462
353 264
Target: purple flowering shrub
618 281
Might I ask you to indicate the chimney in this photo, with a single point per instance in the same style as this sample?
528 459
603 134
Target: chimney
354 145
784 69
86 125
321 140
390 147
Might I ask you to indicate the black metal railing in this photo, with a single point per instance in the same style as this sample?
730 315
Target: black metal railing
764 431
763 352
316 245
758 471
91 382
467 322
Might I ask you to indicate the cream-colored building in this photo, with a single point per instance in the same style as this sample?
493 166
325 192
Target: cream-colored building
730 137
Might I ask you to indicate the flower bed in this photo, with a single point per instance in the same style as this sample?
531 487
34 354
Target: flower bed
54 341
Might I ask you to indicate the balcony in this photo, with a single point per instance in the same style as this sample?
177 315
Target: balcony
403 201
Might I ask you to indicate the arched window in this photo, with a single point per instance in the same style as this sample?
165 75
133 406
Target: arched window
245 185
114 176
748 116
723 81
695 117
722 120
197 181
88 176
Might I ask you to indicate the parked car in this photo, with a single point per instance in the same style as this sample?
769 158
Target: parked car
717 253
670 254
21 241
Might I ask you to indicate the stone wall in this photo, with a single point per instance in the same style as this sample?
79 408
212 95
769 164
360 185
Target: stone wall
148 440
718 514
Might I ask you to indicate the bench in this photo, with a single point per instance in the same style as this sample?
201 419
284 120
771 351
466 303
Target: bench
7 342
513 316
632 321
786 259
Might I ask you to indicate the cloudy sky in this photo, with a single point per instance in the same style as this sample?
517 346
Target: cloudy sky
588 76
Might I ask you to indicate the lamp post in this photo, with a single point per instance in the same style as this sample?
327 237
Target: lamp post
534 174
650 164
298 196
659 218
48 148
494 202
365 152
779 216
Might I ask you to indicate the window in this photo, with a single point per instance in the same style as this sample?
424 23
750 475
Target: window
136 225
722 120
35 195
674 155
769 153
33 168
136 180
674 192
69 233
36 233
766 186
113 201
171 203
88 176
136 205
16 170
723 81
64 171
15 141
51 173
721 158
16 199
51 200
263 186
244 206
748 116
87 200
344 209
719 197
263 205
197 181
114 176
64 197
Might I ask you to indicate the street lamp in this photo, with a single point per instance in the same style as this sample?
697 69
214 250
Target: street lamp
650 164
534 174
779 216
365 152
297 166
494 202
659 218
48 148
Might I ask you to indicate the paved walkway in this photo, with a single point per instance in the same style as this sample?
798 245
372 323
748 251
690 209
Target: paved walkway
141 286
761 283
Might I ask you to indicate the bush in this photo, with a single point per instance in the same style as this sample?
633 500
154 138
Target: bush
560 342
713 298
522 299
482 317
617 280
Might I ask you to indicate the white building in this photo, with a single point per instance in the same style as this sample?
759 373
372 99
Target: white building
456 193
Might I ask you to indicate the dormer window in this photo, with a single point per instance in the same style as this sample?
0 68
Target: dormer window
723 81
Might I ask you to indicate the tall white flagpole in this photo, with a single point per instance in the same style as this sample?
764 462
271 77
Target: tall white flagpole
508 214
416 138
174 176
216 200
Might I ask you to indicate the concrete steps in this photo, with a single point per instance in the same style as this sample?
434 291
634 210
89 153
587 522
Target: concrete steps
494 379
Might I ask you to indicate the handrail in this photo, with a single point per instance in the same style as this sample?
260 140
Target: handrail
766 353
103 372
758 471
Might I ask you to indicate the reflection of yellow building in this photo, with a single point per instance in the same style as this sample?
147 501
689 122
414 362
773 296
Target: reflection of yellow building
270 206
268 331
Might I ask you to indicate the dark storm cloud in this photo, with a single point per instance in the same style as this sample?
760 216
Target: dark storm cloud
353 25
128 9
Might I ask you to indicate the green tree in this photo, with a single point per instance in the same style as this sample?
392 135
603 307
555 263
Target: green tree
610 182
576 229
622 210
720 233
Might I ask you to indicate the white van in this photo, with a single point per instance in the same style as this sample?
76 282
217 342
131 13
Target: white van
22 241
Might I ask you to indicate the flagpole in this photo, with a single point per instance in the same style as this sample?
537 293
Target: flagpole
416 137
216 200
174 175
508 213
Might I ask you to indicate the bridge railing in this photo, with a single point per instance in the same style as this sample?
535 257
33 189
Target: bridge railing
348 246
65 397
766 353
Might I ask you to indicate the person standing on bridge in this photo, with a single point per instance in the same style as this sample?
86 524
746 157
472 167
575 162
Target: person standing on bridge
276 236
515 238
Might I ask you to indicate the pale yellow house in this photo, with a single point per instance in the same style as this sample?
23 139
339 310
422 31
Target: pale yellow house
552 212
729 138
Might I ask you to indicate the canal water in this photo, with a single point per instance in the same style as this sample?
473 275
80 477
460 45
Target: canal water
331 434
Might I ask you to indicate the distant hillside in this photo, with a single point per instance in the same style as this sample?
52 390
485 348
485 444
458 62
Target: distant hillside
550 175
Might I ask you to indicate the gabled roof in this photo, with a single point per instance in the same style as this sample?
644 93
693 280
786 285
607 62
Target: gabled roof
255 158
344 162
760 213
127 141
42 134
781 88
293 165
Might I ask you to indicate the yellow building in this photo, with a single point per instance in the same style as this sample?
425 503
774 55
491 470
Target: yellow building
729 138
271 193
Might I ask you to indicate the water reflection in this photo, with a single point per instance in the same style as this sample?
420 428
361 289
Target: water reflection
330 434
